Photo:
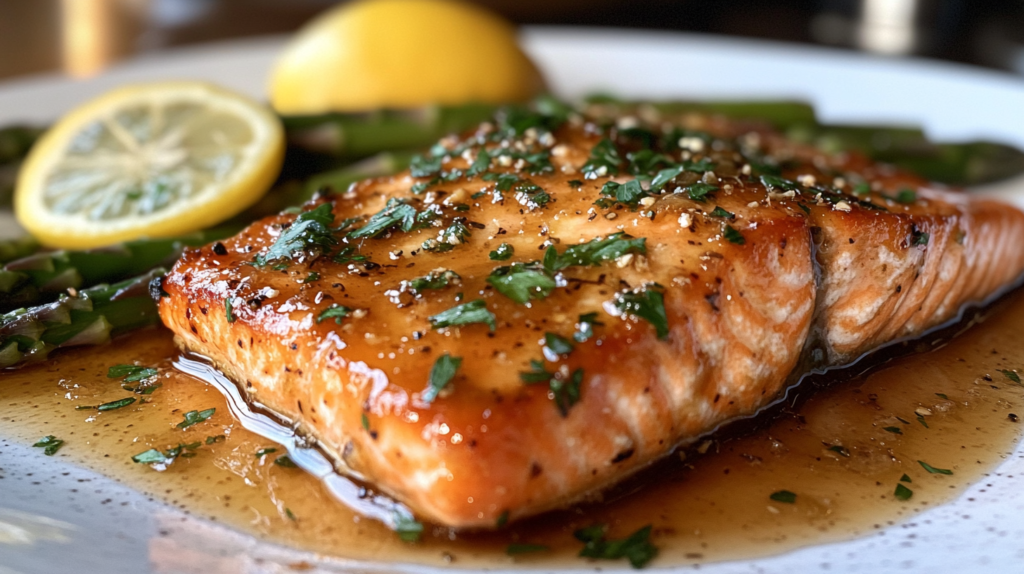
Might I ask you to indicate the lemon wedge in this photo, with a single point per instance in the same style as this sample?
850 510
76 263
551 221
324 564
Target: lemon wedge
373 54
148 160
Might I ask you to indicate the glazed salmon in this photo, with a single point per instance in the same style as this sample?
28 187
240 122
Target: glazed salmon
549 304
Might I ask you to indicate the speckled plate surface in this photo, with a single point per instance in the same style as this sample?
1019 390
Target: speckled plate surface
58 518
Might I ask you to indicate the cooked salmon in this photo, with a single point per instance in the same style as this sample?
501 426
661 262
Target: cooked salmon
548 304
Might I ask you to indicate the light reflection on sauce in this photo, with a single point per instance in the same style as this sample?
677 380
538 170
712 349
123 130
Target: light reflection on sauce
833 451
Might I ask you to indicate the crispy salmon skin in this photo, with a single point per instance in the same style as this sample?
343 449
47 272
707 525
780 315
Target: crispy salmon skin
541 307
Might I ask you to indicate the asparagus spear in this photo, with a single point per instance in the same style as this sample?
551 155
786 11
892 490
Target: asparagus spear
91 317
41 277
358 135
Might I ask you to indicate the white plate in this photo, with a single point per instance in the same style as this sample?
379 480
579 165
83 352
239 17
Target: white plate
951 102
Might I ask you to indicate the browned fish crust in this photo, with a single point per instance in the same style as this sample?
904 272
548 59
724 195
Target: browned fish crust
810 259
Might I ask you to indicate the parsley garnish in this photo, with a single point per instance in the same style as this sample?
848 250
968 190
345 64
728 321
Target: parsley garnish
603 155
423 166
894 430
905 196
839 449
776 182
407 527
481 164
335 311
349 254
920 238
1013 376
699 191
536 374
309 235
645 161
265 451
311 277
629 193
365 420
585 327
558 344
905 478
195 417
902 492
131 373
719 212
732 235
285 461
215 439
112 405
666 175
934 470
648 304
783 496
396 213
566 393
50 444
575 183
594 252
862 189
441 374
504 252
636 547
436 279
465 314
522 282
229 310
155 457
515 549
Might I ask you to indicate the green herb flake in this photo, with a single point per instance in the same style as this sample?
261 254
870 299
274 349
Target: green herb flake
441 374
839 449
407 527
229 310
636 547
629 193
732 235
902 492
335 311
291 516
604 160
648 304
666 175
131 373
285 461
215 439
594 252
502 520
50 444
504 252
522 282
112 405
481 164
776 182
151 456
1011 375
905 196
517 549
436 279
719 212
396 213
265 451
585 327
894 430
942 396
862 189
464 314
575 183
920 238
932 469
558 344
365 420
784 496
905 478
567 393
195 417
313 276
309 235
923 422
699 191
424 166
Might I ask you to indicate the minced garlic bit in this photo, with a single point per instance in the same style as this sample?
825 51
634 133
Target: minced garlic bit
647 201
693 144
842 206
807 180
923 411
686 219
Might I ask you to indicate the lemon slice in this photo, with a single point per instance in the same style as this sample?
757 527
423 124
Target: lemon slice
148 160
372 54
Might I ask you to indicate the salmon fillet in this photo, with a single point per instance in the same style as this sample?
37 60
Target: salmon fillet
548 304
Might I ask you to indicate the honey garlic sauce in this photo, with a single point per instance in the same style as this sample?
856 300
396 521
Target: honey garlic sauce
842 452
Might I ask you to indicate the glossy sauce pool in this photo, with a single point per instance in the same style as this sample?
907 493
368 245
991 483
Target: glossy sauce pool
842 452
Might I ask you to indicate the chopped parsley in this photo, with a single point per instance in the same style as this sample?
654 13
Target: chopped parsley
465 314
285 461
666 175
932 469
522 282
920 238
112 405
636 547
407 527
504 252
923 422
732 235
905 478
594 252
558 344
396 213
265 451
646 161
50 444
335 311
841 450
629 193
165 458
457 232
536 374
365 420
585 327
516 549
502 520
784 496
195 417
776 182
426 166
481 164
862 189
215 439
131 373
905 196
699 191
309 236
441 374
902 492
648 304
313 276
604 160
719 212
894 430
349 254
566 392
229 310
436 279
575 183
1011 375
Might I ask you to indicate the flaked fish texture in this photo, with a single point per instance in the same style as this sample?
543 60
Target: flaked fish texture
544 306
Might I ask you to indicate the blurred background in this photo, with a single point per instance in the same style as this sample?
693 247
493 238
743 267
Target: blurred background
81 37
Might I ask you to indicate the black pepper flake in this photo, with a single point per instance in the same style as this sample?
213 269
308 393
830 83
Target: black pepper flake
219 248
1013 418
